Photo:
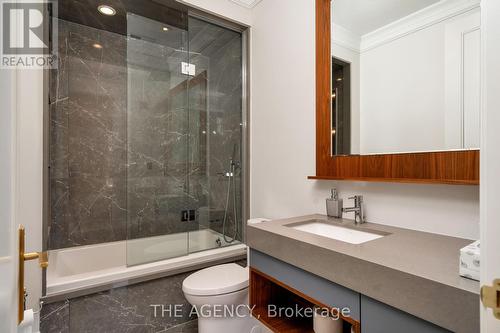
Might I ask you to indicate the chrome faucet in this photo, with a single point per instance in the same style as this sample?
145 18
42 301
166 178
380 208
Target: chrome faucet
359 216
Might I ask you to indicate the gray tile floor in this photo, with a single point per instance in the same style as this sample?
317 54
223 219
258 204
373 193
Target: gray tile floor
123 310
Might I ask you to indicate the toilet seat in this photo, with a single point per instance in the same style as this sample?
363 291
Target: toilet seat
216 280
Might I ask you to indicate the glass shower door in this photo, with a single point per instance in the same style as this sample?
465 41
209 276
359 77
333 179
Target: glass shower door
184 187
157 183
215 135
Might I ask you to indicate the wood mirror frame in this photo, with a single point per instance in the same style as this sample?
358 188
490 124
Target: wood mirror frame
447 167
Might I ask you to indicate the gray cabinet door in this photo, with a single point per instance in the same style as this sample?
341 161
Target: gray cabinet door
322 290
378 317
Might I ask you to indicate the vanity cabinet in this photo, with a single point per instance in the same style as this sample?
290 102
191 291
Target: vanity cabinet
320 289
274 282
281 285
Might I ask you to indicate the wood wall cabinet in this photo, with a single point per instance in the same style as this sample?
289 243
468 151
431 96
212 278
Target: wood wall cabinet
446 167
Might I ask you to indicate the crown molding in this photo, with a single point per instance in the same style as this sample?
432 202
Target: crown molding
422 19
247 3
345 38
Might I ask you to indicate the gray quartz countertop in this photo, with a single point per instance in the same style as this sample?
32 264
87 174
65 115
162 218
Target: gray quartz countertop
416 272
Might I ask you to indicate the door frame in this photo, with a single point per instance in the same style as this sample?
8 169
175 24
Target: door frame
21 193
490 154
8 230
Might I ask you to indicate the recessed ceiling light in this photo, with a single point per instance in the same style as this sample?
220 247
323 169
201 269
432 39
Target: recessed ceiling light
165 29
97 46
106 10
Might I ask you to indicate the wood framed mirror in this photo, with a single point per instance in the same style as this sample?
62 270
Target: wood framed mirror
454 166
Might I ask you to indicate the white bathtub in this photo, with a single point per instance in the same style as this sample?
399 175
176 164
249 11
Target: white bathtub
83 268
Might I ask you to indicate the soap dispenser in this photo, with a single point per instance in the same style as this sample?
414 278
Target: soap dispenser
334 205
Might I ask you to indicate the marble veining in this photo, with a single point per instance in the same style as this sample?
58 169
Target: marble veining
124 309
120 310
134 141
54 318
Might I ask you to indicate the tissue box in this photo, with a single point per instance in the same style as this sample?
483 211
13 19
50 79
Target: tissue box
470 261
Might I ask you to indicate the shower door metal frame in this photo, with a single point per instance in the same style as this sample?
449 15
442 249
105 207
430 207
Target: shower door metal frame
245 163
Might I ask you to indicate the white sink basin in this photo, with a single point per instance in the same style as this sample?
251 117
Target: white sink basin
334 232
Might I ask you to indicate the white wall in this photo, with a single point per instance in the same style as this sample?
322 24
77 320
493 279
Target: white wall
402 94
283 138
282 113
462 81
413 89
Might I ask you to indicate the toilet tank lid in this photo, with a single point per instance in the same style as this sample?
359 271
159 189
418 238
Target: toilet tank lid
216 280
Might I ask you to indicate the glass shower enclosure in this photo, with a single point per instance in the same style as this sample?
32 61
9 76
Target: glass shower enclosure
146 131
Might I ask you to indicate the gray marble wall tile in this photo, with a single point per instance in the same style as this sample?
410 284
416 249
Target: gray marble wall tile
189 327
121 310
88 138
54 318
215 120
157 141
134 141
129 309
124 309
225 123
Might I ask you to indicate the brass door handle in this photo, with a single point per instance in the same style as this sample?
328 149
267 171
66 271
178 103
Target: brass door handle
43 260
490 296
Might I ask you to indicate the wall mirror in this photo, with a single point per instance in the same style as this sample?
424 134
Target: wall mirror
405 76
398 91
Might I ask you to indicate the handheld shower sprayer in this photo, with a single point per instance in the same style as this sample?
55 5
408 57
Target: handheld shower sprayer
233 166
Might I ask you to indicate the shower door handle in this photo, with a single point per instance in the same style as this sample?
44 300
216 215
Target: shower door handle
43 260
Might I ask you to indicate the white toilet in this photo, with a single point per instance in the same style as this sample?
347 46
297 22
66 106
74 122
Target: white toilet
220 295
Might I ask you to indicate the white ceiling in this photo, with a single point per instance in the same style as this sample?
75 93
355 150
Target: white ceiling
364 16
247 3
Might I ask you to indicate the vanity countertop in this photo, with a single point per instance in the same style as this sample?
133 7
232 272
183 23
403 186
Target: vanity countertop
414 271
